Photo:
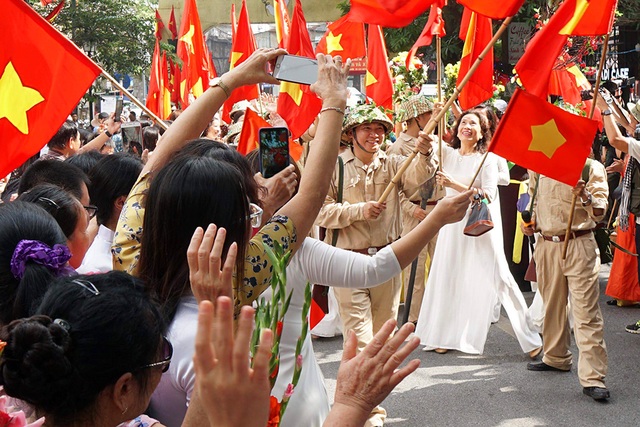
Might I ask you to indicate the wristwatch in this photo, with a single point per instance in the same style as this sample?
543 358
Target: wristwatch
109 134
607 112
217 82
588 201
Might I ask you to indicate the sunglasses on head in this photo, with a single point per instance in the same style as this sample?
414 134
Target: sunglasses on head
167 353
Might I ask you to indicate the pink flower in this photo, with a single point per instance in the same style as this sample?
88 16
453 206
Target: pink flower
288 392
299 361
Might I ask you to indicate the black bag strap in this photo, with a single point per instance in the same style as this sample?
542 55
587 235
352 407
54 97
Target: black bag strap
334 238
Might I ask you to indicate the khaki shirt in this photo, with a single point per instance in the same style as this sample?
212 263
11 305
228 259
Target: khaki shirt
365 183
404 145
553 202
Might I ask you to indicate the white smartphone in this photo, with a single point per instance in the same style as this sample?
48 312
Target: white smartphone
296 69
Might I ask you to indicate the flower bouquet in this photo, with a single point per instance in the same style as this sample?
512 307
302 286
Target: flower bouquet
270 315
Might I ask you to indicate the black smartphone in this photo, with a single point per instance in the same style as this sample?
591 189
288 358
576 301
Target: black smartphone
118 111
274 150
296 69
131 132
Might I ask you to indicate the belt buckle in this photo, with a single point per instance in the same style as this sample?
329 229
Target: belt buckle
372 251
556 239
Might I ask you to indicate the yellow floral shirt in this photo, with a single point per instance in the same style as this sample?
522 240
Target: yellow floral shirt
257 267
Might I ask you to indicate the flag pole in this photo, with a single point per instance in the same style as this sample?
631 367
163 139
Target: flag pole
439 77
133 99
574 200
433 123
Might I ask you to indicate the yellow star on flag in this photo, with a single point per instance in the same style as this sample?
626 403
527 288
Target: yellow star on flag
546 138
235 57
333 42
188 38
16 99
581 8
294 91
369 79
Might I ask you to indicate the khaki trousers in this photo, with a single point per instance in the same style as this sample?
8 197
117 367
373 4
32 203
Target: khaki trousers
365 310
577 278
409 223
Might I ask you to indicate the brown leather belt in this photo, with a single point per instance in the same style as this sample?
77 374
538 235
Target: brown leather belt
572 235
433 203
369 251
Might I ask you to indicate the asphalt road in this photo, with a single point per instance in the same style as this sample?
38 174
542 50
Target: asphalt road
495 389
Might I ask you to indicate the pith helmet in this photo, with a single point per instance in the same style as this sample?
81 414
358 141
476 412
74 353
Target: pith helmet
366 113
414 106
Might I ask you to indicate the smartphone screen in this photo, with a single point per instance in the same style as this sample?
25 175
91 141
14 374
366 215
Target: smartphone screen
118 111
131 132
274 150
296 69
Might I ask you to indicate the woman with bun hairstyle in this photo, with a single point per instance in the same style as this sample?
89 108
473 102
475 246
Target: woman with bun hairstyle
32 252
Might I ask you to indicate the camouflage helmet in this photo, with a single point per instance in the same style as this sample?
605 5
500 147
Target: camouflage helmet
413 106
239 107
366 113
234 130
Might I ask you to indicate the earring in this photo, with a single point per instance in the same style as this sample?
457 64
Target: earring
125 410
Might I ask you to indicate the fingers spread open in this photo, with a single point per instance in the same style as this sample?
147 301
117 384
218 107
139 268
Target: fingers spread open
223 331
373 348
192 250
263 356
204 358
241 346
215 254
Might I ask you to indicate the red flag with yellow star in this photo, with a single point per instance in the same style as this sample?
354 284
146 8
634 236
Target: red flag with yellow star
42 77
155 82
433 27
480 87
388 13
159 26
191 50
573 17
343 38
493 9
544 138
164 106
378 83
297 105
283 23
172 24
242 47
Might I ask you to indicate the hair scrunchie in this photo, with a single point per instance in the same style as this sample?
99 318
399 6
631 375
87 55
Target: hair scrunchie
34 250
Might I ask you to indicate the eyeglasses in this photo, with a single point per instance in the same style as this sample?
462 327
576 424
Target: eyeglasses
87 285
92 210
167 354
255 215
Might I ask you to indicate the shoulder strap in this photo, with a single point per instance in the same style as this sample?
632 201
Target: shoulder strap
334 238
586 170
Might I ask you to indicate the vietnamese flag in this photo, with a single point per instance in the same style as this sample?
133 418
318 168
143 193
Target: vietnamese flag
388 13
480 87
433 27
159 26
379 86
43 75
172 25
572 17
343 38
297 105
164 106
249 138
155 82
544 138
242 47
175 82
494 9
283 24
191 50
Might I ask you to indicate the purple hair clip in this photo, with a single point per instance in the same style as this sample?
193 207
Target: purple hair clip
34 250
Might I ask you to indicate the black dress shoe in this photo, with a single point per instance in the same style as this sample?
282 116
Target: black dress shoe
541 366
596 393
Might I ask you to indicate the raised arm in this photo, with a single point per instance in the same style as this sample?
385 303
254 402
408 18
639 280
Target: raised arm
193 120
331 86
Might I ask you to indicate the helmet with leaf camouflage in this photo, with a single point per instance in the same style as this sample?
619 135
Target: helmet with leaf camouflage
366 113
413 106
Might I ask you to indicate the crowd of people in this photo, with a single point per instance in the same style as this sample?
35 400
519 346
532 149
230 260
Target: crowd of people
128 278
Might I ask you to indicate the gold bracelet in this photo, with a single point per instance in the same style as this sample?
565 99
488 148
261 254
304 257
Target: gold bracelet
217 82
338 109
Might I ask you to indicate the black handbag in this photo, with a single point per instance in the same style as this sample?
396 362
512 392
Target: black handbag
479 221
602 235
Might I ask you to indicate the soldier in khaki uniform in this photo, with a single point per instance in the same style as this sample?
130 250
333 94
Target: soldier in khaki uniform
575 277
364 225
416 112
